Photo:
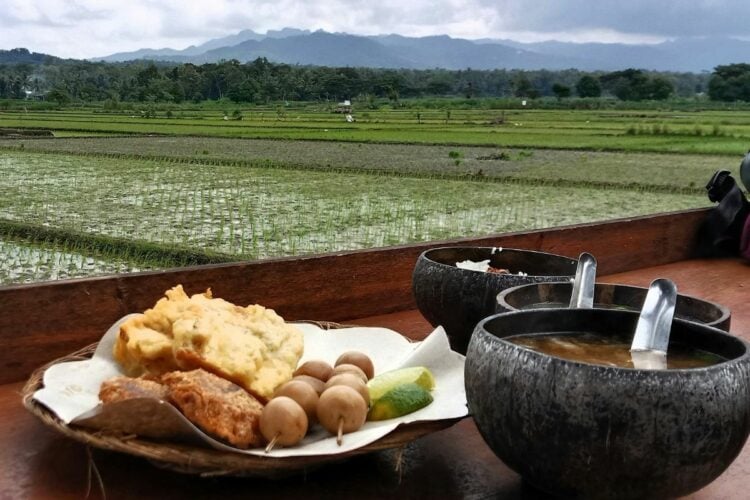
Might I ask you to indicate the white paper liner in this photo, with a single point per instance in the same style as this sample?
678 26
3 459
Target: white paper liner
71 389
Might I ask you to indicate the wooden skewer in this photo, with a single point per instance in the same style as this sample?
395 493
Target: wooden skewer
340 436
272 443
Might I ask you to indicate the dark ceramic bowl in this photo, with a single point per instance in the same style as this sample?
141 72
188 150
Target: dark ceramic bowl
582 430
459 298
609 296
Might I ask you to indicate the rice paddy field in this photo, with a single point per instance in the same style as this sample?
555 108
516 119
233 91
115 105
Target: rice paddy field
24 262
702 132
198 189
666 171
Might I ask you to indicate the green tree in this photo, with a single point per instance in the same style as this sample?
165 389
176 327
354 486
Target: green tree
111 104
561 91
730 82
588 86
659 88
262 81
636 85
59 96
627 85
393 95
439 86
469 90
522 87
150 72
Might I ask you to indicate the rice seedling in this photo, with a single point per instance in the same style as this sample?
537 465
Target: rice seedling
201 191
22 262
168 209
604 130
603 169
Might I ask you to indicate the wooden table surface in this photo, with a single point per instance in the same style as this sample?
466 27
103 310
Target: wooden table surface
36 462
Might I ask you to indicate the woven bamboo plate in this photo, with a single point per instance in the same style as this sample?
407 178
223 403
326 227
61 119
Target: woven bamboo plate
192 459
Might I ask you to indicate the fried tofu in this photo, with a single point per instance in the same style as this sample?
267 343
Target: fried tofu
122 388
220 408
141 350
251 346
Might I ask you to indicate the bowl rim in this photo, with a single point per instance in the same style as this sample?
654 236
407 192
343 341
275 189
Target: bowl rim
726 313
493 250
481 330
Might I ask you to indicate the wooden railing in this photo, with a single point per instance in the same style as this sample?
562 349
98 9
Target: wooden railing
40 322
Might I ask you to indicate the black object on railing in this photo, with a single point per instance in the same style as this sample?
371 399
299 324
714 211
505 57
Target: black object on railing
719 185
721 233
745 171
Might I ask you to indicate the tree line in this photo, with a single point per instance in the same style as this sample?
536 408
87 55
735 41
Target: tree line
261 81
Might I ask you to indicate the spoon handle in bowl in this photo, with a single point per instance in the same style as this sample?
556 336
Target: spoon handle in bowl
585 281
651 337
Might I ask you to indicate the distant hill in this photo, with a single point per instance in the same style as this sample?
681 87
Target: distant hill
455 53
23 56
319 49
683 54
340 49
295 46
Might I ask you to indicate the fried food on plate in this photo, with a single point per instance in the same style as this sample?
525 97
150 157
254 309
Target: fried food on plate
219 407
122 388
251 346
144 344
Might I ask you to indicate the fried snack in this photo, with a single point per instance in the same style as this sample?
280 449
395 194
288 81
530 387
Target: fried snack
219 407
144 344
251 346
122 388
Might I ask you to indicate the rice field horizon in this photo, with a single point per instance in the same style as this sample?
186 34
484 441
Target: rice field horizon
100 204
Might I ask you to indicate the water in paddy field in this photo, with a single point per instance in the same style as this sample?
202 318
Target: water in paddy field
255 213
25 263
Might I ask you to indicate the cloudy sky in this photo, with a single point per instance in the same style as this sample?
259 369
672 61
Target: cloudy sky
90 28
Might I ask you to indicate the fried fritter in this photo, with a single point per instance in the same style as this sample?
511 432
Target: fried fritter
122 388
140 350
219 407
144 344
251 346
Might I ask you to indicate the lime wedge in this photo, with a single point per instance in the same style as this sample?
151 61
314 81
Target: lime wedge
399 401
385 382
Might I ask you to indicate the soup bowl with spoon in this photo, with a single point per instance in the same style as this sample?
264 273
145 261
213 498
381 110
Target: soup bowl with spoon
587 428
612 296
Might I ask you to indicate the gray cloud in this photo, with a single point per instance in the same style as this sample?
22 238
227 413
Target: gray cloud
666 18
87 28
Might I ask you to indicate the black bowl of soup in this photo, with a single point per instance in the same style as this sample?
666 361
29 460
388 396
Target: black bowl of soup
458 298
609 296
582 427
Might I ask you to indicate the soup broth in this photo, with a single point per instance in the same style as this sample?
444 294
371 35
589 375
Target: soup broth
609 351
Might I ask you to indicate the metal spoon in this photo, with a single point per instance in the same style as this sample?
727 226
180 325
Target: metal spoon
585 281
649 348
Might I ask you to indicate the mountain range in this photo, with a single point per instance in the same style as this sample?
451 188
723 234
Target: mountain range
294 46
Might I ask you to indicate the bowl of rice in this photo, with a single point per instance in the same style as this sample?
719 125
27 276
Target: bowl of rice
456 287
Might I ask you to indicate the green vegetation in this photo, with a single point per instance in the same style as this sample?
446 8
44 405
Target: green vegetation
112 168
589 86
262 82
229 211
27 262
636 85
139 186
678 172
730 83
719 132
